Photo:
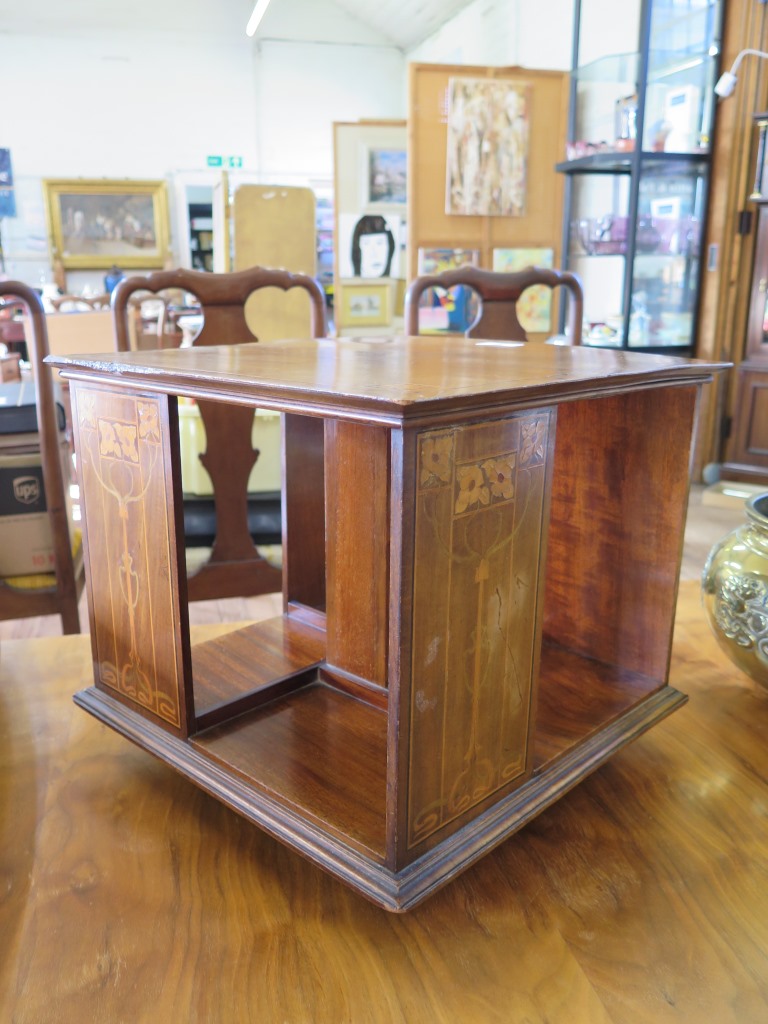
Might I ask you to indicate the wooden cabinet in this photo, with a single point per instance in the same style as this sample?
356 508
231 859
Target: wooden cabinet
747 449
481 553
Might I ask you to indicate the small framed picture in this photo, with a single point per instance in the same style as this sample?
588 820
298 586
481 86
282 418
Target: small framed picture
385 176
365 303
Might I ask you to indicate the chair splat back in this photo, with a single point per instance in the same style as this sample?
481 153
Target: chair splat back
498 294
235 568
222 300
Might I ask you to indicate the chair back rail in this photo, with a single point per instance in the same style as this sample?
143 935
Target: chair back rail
498 294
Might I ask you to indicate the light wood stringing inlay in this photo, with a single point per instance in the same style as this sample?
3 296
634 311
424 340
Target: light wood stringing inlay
120 466
478 531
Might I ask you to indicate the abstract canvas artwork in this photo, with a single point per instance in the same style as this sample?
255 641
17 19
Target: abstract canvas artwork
487 158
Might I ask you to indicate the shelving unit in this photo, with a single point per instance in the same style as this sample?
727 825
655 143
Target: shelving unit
477 604
640 125
201 235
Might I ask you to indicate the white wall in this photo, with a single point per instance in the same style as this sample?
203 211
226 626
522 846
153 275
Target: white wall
506 33
114 102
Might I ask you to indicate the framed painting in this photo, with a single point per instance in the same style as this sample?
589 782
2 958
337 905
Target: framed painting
365 303
487 147
93 224
386 176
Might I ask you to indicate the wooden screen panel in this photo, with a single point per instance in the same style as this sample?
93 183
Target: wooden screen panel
357 463
133 562
540 226
619 500
274 226
478 539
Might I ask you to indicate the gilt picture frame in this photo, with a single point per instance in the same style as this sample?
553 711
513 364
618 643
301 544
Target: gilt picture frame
93 224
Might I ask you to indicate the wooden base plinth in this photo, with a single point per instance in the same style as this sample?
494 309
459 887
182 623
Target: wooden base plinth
349 843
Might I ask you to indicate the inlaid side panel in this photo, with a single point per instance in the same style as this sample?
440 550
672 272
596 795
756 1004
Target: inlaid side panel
124 456
478 534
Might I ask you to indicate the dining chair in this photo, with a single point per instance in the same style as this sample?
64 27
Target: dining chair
498 295
56 592
235 568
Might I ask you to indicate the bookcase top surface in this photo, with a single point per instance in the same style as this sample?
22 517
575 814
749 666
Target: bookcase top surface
388 379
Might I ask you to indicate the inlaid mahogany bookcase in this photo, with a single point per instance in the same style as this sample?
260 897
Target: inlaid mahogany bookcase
481 554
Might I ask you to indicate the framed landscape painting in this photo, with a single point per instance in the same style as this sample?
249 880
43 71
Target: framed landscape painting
93 224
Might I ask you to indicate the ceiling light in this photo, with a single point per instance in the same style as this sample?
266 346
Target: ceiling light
259 10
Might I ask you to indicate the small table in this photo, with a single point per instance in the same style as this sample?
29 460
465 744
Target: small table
481 555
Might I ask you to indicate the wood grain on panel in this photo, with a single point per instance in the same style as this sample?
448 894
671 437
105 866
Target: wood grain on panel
476 579
227 670
123 447
318 752
303 511
357 547
131 895
619 497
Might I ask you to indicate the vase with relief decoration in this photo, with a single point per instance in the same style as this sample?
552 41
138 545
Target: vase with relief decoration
735 591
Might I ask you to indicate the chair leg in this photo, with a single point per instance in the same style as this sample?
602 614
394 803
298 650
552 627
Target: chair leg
70 618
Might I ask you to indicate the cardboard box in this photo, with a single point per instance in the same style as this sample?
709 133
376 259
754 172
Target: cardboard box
27 545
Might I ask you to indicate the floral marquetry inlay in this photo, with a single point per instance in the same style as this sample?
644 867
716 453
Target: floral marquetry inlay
478 529
119 446
436 460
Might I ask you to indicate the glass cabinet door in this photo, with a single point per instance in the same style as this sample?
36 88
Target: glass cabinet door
665 270
637 160
680 75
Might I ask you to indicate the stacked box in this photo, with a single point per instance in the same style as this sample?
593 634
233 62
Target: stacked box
26 544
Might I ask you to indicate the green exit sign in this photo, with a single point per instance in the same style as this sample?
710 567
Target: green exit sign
224 161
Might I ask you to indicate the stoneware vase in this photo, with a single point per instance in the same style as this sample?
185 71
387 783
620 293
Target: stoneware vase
735 591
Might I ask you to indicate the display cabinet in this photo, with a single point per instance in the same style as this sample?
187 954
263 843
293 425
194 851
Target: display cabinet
637 167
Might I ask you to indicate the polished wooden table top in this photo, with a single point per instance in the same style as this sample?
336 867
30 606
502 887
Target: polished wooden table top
392 377
127 894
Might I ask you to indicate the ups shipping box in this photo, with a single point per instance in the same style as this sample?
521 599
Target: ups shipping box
26 545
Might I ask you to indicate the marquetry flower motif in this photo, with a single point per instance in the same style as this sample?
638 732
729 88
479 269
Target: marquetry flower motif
87 410
499 473
118 440
532 442
149 424
472 488
436 454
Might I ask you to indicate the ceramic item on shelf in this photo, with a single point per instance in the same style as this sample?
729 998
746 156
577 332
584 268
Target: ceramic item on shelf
735 591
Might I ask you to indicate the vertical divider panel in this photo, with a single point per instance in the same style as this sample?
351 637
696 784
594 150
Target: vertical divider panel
357 546
128 464
303 510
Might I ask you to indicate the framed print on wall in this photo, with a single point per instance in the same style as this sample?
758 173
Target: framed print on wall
365 303
385 178
93 224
